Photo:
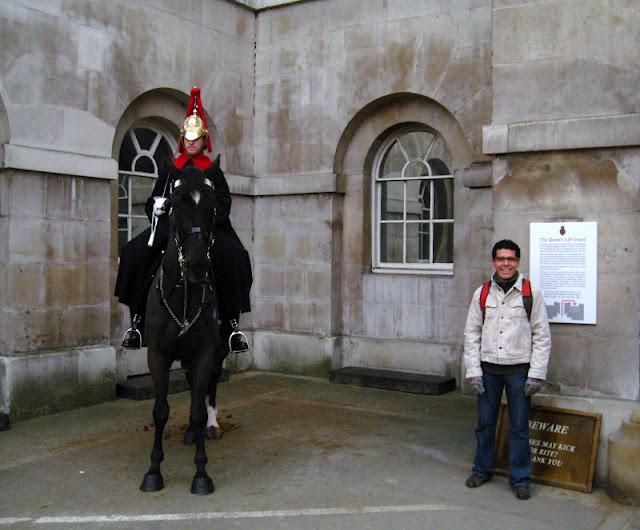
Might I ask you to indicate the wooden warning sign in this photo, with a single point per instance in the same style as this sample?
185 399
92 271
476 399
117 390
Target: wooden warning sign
563 446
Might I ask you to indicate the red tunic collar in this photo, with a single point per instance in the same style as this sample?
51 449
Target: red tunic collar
201 161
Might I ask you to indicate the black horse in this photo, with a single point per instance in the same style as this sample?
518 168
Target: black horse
182 317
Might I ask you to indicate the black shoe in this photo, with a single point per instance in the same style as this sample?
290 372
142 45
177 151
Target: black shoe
132 339
475 480
238 342
521 491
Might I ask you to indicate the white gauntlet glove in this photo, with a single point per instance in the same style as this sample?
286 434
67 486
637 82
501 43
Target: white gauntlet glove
160 206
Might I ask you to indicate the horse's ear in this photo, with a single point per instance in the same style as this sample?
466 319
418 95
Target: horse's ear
213 168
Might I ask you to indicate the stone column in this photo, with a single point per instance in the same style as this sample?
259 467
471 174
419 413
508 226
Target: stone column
624 462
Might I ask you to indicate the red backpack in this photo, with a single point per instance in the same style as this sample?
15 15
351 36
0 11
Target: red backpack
527 297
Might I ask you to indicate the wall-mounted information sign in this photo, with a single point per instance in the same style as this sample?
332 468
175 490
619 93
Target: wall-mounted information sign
564 265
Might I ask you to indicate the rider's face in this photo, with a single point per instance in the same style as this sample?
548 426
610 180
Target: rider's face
193 147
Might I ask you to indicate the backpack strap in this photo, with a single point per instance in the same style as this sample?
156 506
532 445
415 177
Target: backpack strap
527 297
484 293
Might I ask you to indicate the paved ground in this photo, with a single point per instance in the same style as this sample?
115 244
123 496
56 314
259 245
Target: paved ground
296 453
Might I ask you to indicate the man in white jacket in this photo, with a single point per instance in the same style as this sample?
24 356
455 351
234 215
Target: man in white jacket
506 346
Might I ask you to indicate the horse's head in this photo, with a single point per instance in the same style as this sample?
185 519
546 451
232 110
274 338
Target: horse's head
193 220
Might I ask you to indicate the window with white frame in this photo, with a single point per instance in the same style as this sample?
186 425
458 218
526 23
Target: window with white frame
143 150
413 204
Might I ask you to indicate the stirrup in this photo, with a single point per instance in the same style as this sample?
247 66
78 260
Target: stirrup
132 339
238 342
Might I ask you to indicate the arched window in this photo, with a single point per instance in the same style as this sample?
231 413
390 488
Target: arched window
413 203
144 149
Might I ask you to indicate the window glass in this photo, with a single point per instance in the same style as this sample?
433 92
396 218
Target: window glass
443 242
413 210
391 238
145 138
391 200
392 163
418 242
443 193
144 164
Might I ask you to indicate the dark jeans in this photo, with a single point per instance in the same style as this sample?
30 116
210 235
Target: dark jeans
488 409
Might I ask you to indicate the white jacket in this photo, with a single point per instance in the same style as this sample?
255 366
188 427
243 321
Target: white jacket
507 336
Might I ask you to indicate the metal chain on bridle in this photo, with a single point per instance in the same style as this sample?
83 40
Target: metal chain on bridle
185 325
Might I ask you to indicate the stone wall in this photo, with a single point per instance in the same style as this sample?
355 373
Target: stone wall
565 104
564 59
54 290
319 63
594 185
332 78
565 74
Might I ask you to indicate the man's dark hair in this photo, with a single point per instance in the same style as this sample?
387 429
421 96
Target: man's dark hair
506 244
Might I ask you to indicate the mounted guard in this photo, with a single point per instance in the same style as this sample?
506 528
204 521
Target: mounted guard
141 256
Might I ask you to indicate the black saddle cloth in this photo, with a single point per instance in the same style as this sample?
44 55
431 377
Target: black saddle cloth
231 268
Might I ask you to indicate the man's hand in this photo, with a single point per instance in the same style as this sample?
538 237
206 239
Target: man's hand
477 384
531 386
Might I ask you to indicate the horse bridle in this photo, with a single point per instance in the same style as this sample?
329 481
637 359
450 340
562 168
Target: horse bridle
193 230
184 324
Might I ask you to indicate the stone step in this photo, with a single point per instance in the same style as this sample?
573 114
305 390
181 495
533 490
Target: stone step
141 387
414 383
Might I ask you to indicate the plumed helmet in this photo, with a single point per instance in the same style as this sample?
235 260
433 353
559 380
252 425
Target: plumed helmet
193 128
195 121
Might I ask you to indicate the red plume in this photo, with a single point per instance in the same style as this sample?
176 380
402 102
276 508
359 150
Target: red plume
196 101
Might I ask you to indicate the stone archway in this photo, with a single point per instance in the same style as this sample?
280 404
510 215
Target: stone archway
353 161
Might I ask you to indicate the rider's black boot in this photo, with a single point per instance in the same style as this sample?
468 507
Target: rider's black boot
238 342
132 339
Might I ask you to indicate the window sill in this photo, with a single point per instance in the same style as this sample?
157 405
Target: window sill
418 272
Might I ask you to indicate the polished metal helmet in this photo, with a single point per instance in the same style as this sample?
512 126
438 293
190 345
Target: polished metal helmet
193 126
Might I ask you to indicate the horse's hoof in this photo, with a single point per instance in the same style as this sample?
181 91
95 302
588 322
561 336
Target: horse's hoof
213 433
152 483
202 485
189 438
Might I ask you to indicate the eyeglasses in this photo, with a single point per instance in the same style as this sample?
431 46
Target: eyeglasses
508 259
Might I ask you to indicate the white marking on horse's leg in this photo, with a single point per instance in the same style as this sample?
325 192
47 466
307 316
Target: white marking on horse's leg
212 417
196 197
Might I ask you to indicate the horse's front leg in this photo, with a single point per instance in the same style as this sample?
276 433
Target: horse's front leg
153 480
202 370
